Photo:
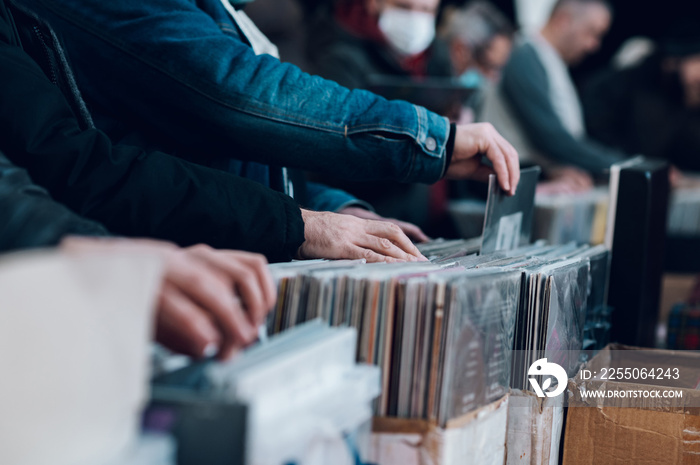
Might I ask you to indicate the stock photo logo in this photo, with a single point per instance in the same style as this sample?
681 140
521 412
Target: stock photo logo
547 371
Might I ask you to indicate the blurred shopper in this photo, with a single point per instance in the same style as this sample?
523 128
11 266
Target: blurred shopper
371 38
197 79
541 101
653 107
480 39
46 129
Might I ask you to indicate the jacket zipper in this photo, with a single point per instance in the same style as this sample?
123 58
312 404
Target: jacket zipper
49 59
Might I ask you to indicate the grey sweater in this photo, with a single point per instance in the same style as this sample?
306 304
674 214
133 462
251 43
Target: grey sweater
525 86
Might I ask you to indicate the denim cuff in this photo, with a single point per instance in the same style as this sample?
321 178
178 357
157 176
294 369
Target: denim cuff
429 162
450 148
294 232
324 198
355 203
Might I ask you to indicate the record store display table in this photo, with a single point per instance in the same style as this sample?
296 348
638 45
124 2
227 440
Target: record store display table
470 356
455 340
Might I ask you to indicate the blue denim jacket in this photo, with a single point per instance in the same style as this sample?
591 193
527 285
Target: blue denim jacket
176 75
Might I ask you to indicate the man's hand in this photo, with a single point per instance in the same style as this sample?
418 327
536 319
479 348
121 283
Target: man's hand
680 180
213 301
472 142
411 230
336 236
210 301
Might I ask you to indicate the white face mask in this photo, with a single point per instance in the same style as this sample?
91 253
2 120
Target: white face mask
409 32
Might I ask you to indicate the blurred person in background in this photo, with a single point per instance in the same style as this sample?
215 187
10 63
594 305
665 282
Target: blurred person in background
540 100
480 39
371 38
198 79
653 106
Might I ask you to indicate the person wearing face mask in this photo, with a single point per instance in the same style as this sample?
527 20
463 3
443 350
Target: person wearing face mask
370 38
408 31
480 39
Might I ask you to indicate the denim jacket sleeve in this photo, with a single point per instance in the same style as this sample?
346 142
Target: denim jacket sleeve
170 63
324 198
128 190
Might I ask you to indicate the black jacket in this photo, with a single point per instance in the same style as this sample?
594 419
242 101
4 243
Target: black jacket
30 218
641 109
46 129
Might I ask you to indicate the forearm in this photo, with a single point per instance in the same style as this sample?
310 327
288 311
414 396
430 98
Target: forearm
130 191
29 216
324 198
564 149
231 105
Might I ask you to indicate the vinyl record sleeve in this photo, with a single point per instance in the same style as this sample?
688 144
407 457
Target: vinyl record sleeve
479 332
508 220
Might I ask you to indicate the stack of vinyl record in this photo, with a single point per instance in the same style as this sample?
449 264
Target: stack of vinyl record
452 335
684 212
596 333
554 319
442 334
304 392
562 218
456 333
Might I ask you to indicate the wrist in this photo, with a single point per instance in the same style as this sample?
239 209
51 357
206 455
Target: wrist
307 217
450 148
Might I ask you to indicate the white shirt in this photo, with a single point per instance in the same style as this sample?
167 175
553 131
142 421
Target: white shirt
260 43
562 92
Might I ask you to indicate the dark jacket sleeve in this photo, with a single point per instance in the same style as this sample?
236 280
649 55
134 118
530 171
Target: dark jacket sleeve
525 86
606 108
132 192
30 217
345 64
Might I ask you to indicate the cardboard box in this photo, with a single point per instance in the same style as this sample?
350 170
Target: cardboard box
476 438
534 429
633 431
